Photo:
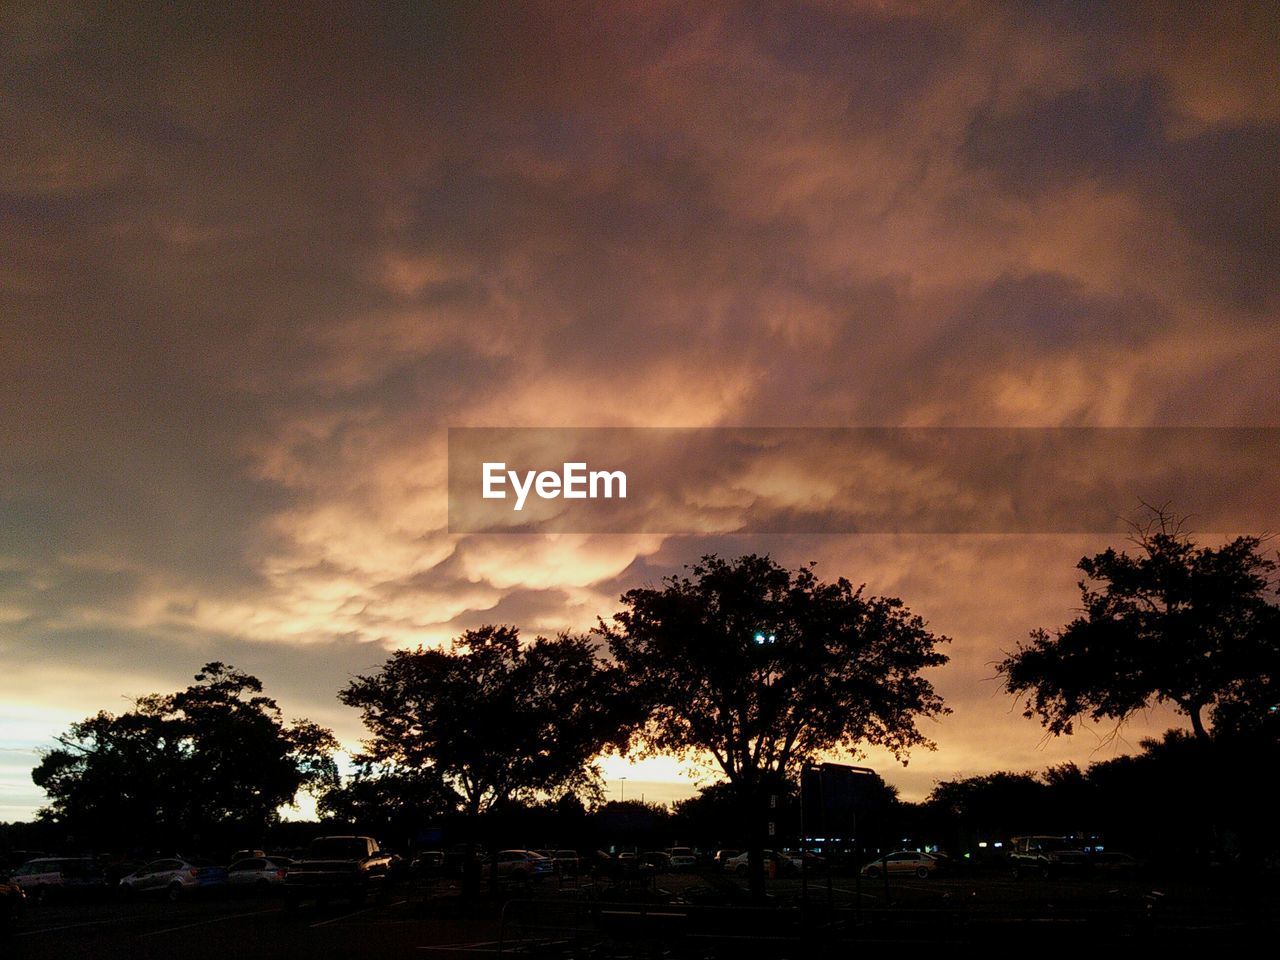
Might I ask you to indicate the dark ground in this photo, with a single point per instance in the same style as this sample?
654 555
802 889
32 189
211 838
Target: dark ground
673 916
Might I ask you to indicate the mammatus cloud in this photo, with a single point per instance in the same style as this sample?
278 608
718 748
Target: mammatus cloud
253 266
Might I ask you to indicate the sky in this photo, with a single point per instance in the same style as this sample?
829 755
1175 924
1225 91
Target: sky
256 260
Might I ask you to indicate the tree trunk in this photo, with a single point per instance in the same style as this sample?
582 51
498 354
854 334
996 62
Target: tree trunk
1197 722
755 869
472 871
756 833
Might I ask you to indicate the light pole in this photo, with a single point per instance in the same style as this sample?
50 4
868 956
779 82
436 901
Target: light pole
622 787
763 640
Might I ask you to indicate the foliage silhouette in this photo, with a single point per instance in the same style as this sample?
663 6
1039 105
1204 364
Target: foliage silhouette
765 668
213 759
494 719
1176 622
387 799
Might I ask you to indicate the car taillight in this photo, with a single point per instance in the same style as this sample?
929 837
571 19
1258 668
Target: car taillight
280 874
195 872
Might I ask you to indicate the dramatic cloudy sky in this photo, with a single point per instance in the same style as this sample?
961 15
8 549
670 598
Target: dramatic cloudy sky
255 260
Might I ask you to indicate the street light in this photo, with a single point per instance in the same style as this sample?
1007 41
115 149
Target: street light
763 639
622 783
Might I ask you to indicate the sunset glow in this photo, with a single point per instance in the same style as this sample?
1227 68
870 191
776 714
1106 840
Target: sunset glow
254 267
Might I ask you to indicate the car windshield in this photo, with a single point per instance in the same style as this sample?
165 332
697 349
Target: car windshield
337 848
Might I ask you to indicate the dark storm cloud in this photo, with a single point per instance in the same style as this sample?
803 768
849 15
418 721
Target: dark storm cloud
1106 131
1219 185
254 260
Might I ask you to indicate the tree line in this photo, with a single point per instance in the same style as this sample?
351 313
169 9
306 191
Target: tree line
761 668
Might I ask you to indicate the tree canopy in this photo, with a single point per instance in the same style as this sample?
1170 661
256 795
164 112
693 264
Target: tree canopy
496 719
765 668
387 798
1174 622
215 757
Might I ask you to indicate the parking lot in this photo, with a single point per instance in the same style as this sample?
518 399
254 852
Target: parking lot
230 927
677 915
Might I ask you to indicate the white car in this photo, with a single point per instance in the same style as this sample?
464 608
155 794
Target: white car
49 876
519 866
260 875
722 858
910 862
174 877
682 858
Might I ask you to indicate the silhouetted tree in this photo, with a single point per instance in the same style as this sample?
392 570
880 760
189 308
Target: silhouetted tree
1071 797
992 805
213 759
716 817
389 799
633 823
764 668
494 719
1175 622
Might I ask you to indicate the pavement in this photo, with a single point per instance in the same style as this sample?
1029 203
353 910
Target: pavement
671 916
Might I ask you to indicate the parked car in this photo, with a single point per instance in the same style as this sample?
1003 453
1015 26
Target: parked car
464 859
654 861
682 858
58 877
911 862
258 875
13 859
344 866
1043 856
721 857
174 877
781 864
428 863
518 866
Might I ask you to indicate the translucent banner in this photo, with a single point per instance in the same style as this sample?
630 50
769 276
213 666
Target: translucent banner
858 480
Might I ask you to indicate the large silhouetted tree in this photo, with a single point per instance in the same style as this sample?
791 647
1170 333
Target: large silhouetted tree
496 719
764 668
1173 622
995 804
212 760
